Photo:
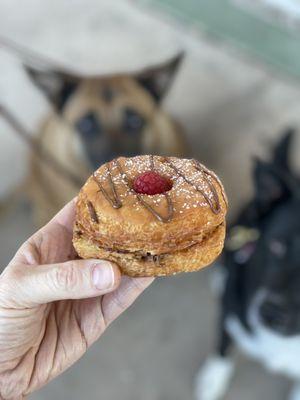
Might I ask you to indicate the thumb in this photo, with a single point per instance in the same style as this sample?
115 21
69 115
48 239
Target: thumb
76 279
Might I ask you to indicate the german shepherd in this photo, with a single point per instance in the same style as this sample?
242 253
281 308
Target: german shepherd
94 120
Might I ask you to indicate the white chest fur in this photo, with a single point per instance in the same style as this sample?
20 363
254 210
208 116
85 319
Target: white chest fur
278 353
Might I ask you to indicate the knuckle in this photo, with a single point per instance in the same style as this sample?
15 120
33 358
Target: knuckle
138 285
11 275
120 301
66 277
10 280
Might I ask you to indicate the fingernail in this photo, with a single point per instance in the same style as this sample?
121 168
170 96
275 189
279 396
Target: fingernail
103 276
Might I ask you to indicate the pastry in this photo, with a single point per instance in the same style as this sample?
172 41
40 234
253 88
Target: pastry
151 215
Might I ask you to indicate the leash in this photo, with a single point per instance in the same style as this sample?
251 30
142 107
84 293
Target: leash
39 151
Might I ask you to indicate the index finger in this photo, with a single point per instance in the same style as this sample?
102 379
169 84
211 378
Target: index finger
65 217
116 302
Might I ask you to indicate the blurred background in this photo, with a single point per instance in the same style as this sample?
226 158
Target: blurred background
214 79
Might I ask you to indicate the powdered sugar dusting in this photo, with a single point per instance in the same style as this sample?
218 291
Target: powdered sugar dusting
192 194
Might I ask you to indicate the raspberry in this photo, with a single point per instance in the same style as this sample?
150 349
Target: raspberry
151 183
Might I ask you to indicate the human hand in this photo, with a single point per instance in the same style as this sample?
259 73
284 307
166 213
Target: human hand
52 307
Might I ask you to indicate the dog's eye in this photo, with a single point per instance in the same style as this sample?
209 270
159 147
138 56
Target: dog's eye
132 121
277 248
88 125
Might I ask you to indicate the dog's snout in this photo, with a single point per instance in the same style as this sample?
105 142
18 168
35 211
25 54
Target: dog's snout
107 94
275 314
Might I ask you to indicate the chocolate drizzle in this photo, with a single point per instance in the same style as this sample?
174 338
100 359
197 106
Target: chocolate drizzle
152 167
92 212
114 199
155 213
160 217
214 205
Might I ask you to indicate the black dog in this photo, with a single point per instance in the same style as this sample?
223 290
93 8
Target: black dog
260 308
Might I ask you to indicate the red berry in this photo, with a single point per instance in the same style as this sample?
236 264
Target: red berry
151 183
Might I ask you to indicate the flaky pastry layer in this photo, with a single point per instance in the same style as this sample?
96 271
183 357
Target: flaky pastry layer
141 264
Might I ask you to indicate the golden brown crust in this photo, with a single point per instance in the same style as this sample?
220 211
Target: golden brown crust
199 209
191 259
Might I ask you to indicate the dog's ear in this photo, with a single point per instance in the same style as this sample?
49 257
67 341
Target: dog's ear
56 85
282 149
158 80
273 180
270 185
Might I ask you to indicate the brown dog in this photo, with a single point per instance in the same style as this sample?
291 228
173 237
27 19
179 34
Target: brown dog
95 120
